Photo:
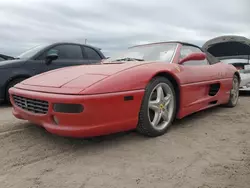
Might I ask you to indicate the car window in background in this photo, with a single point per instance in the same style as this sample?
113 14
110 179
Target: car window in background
2 59
92 54
68 51
152 52
31 52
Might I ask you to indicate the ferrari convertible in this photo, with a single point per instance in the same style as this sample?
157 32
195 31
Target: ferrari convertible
142 88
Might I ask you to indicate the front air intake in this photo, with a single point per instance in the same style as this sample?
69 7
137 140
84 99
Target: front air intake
32 105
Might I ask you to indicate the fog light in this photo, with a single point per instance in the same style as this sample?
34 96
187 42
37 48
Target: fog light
55 119
67 108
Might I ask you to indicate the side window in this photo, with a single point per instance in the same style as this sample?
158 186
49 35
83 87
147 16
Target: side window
186 50
69 51
2 59
92 54
65 51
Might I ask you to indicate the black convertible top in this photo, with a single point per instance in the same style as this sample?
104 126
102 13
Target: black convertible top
180 42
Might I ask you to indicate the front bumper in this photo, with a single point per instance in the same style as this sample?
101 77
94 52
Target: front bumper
103 114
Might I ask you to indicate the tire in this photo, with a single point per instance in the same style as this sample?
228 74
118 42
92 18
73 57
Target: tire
147 123
11 84
234 93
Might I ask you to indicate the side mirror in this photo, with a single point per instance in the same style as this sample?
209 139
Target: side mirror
52 55
193 57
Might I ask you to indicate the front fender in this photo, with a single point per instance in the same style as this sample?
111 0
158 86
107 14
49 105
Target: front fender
135 78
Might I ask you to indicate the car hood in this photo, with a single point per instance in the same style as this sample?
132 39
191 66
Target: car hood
11 63
228 47
77 76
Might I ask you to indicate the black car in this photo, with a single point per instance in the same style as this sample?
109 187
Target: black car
5 57
44 58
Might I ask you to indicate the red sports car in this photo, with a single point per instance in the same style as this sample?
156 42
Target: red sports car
144 87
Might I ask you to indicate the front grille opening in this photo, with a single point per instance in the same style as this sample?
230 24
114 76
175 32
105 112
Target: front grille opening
32 105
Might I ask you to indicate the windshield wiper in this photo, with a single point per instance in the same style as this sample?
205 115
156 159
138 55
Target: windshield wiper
129 59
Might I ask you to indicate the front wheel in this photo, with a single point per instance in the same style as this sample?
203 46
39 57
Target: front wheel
234 93
158 108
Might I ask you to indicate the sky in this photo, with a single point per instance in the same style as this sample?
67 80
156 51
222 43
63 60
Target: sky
117 24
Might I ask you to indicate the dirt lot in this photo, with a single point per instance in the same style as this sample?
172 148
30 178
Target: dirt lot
210 149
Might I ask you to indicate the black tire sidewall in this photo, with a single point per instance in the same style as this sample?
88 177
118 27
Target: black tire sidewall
230 102
144 122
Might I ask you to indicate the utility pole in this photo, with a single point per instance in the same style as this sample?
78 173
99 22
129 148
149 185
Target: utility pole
85 41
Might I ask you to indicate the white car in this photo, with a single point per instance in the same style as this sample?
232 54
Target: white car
233 50
244 68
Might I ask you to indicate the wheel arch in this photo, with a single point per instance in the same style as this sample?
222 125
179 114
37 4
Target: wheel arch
176 86
25 76
238 75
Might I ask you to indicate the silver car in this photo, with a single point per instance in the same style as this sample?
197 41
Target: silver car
233 50
244 68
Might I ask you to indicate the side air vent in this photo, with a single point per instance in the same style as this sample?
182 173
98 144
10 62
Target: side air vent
214 88
213 102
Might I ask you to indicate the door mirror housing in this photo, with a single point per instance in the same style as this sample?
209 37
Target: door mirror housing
193 57
51 55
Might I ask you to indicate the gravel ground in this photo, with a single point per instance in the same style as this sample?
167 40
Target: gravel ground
210 149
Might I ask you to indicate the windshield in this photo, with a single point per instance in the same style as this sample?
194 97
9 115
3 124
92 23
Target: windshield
230 61
153 52
31 52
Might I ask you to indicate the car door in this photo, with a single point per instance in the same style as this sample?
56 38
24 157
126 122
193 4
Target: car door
200 79
68 55
201 71
92 55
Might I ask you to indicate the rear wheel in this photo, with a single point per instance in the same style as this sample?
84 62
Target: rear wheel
11 84
234 93
158 108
